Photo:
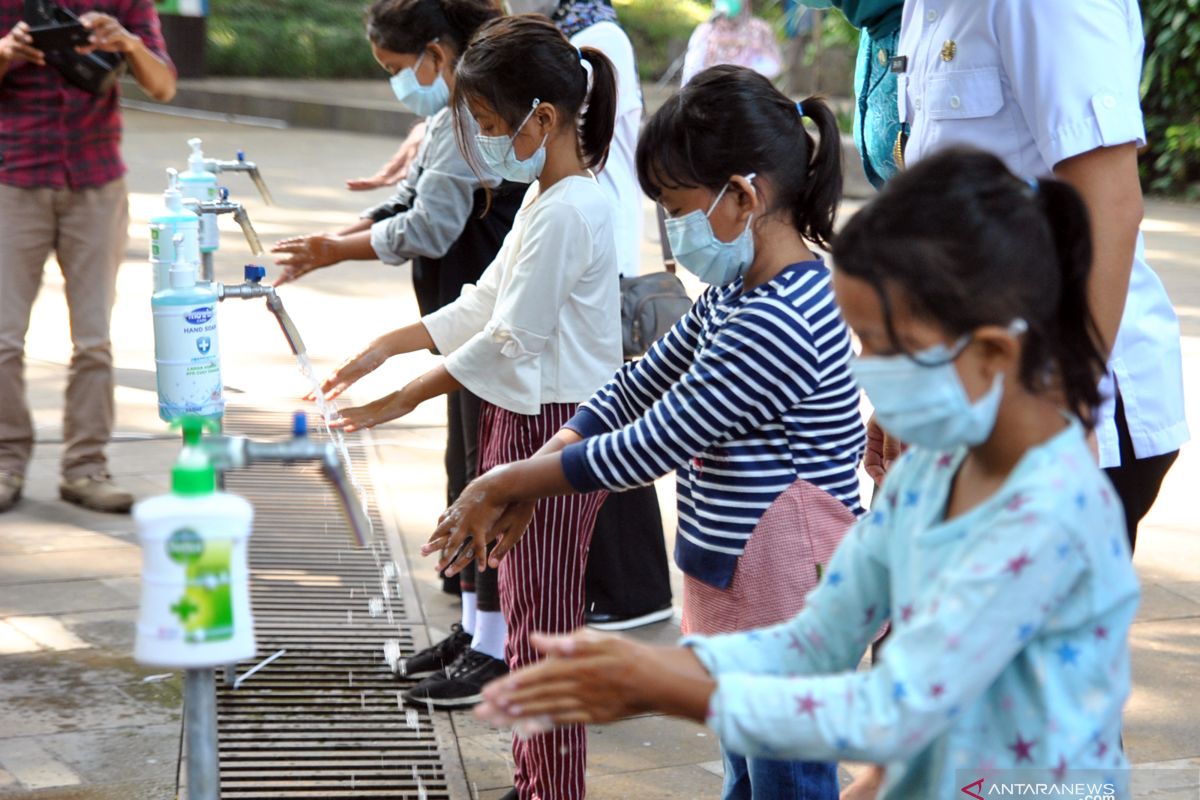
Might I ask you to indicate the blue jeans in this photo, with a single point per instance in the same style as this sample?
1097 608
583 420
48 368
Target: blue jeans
757 778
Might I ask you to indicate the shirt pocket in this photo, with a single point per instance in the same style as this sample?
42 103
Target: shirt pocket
965 94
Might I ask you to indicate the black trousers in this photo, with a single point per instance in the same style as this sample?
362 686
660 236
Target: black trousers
627 564
1137 480
462 459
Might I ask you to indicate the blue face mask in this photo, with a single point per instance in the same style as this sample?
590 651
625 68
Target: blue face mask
694 245
920 399
422 100
500 157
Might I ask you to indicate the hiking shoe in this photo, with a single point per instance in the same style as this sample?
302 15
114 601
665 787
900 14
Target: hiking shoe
622 622
97 492
461 685
436 657
11 485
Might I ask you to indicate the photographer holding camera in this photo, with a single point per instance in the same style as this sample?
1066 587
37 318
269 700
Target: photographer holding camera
62 189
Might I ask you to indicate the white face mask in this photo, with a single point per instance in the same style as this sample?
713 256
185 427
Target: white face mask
696 246
499 154
920 399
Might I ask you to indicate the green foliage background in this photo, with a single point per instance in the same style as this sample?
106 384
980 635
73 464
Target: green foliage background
1171 97
324 38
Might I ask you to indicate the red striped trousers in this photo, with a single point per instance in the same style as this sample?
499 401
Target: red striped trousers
542 590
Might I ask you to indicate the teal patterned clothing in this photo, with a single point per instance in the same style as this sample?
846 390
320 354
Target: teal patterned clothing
876 114
1009 642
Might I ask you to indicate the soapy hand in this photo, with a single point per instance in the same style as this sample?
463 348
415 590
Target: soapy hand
18 43
303 254
481 514
385 409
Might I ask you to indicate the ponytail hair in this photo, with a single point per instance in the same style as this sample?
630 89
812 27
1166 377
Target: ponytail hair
965 243
599 113
406 26
515 60
1072 339
730 120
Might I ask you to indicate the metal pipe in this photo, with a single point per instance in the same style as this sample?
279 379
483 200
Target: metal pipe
239 214
218 166
237 452
290 331
208 270
200 731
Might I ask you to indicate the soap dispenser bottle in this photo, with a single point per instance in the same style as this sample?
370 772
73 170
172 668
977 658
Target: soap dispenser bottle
168 222
201 185
187 354
195 603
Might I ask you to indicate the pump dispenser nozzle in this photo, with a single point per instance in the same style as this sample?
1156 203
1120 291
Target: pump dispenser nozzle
196 159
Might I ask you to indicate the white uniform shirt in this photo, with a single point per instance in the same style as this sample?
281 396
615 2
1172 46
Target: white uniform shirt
1037 82
619 176
543 324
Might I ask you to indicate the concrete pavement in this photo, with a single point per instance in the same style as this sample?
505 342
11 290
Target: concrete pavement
80 720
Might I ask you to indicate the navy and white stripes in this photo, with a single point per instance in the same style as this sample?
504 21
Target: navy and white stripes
746 394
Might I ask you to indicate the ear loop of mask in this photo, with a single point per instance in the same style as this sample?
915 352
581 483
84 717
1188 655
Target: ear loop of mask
1017 327
513 139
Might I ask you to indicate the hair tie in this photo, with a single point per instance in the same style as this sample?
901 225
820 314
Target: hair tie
587 71
800 108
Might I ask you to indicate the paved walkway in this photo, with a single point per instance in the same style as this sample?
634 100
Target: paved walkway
78 719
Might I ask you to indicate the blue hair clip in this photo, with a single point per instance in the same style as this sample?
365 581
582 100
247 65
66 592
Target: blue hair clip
1033 184
800 109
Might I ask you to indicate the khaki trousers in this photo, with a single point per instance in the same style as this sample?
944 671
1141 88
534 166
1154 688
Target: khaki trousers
87 230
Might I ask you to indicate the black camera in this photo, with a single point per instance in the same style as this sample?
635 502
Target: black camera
96 73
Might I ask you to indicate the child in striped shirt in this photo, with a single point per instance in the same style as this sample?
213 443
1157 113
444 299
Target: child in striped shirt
749 397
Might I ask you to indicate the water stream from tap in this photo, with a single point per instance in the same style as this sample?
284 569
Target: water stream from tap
329 411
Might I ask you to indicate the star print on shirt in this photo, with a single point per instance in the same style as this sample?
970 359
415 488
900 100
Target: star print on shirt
807 705
1060 771
1101 632
906 612
1015 565
833 578
1068 654
1022 749
1017 502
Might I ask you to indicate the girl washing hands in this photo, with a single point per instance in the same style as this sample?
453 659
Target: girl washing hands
536 335
749 397
998 550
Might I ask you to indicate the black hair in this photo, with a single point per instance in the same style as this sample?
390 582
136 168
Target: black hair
965 243
407 26
729 121
517 59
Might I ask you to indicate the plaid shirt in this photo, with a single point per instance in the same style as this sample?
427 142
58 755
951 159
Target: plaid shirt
53 135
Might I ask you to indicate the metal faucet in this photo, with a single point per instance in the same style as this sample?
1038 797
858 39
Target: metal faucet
217 166
253 288
227 206
237 452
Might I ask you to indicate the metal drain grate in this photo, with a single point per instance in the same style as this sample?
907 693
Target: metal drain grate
325 720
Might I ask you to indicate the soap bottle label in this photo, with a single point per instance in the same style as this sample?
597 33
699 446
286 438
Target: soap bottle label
205 610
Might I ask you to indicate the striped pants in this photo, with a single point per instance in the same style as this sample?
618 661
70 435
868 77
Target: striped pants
541 590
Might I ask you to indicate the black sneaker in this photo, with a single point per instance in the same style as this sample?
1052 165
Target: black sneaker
436 657
620 622
461 685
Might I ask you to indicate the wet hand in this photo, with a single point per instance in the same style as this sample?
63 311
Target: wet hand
865 786
350 371
385 409
395 170
587 677
303 254
481 514
18 43
882 450
108 35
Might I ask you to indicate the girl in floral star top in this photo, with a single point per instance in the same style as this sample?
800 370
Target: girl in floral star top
998 549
